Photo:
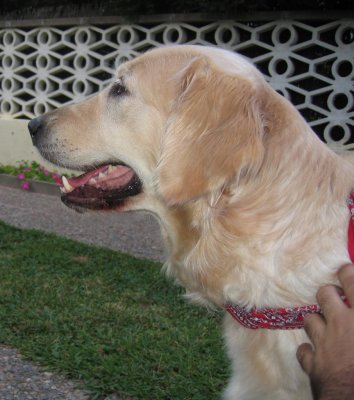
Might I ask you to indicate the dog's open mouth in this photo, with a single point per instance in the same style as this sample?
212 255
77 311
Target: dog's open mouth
105 187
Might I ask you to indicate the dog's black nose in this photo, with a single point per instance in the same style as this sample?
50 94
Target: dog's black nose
34 127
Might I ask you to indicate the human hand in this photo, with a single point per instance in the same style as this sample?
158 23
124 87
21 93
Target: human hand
330 361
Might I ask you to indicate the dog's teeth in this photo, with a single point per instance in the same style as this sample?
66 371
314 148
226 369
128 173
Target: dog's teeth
101 175
111 168
93 182
68 188
62 190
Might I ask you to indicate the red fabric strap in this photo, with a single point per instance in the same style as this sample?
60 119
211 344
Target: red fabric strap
286 317
351 227
271 318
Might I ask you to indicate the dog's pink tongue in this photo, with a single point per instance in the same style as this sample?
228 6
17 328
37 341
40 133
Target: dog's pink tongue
113 178
106 177
84 178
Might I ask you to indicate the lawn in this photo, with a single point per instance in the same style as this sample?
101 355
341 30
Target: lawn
111 320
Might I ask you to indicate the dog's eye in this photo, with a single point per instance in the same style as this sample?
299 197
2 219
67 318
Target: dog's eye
118 89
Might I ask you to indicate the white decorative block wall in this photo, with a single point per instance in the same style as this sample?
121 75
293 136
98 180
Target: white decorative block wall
311 63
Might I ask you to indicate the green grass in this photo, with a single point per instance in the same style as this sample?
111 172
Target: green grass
108 319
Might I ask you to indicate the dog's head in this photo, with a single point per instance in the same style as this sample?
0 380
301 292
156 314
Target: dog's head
177 123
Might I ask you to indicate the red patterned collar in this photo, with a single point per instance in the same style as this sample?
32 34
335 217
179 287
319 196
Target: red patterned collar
271 318
286 317
351 226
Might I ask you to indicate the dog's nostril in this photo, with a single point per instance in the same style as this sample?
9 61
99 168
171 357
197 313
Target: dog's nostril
33 126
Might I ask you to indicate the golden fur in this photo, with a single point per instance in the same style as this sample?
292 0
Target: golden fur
252 205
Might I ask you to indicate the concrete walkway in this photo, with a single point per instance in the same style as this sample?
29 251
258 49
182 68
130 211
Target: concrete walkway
134 233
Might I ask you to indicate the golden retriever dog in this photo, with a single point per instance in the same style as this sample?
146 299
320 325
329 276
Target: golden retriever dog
252 205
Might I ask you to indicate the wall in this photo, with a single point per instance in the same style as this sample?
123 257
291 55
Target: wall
16 146
48 63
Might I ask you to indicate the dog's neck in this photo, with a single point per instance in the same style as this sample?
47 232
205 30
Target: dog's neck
270 240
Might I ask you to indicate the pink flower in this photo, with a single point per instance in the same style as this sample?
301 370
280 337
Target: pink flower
57 179
44 170
25 185
21 176
27 169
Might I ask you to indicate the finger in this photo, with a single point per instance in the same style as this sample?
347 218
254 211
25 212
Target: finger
346 278
305 356
315 328
329 299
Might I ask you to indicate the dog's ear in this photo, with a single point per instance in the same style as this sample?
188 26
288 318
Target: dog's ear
213 134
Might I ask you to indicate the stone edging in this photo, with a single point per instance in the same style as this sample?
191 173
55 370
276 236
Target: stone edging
35 186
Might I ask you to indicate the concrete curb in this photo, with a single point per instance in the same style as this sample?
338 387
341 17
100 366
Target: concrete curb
35 186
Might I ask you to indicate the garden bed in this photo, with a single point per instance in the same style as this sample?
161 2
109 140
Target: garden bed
34 185
30 176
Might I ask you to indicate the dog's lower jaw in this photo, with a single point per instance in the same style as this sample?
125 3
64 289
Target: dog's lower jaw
264 364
